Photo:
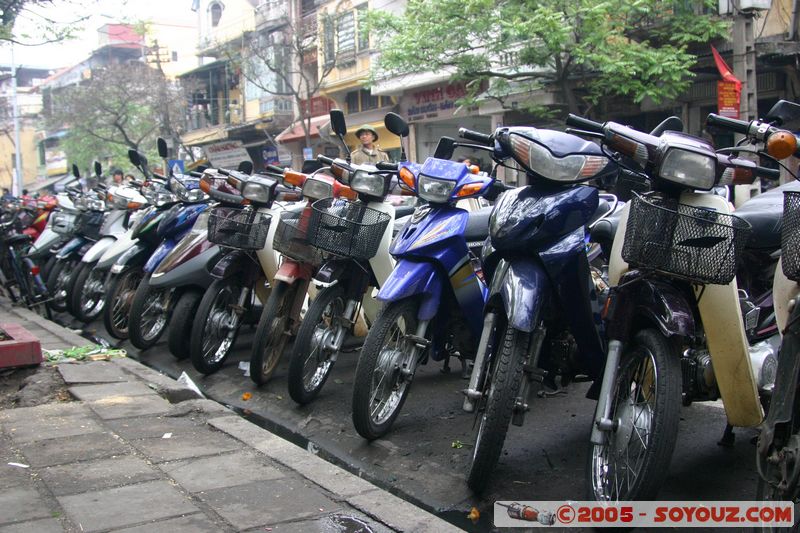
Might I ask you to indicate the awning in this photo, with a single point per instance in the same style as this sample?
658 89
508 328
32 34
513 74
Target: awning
296 133
49 182
204 136
220 63
397 85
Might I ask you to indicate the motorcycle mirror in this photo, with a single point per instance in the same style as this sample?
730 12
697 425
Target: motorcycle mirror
133 156
785 114
310 166
337 122
75 171
162 148
245 167
396 124
668 124
445 148
98 169
339 127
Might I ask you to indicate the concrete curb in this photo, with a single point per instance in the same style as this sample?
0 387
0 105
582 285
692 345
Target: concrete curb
72 339
361 494
165 386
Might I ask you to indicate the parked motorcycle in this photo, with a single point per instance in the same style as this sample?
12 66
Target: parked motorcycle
674 307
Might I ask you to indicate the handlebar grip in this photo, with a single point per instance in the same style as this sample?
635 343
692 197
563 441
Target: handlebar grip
475 136
195 174
769 173
275 169
584 123
385 165
324 159
224 196
726 123
224 172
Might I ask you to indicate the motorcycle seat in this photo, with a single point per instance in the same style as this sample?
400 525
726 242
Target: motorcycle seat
17 239
602 208
603 232
478 225
765 214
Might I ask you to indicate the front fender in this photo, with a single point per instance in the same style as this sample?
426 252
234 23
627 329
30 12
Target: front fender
71 247
410 278
664 305
524 287
233 262
98 249
158 255
135 256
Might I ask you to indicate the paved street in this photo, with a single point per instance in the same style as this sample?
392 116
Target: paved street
543 460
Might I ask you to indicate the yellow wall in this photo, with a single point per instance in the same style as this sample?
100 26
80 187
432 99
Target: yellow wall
179 37
352 75
237 18
30 156
776 21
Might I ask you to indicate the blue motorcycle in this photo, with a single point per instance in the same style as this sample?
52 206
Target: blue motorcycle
431 297
541 323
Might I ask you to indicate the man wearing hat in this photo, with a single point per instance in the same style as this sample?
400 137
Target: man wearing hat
367 153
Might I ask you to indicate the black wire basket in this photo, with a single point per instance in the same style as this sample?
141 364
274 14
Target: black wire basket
790 235
234 227
694 243
291 237
346 229
89 223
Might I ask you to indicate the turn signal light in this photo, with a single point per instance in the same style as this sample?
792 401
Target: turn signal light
134 205
781 144
205 184
473 169
293 177
469 189
407 177
343 191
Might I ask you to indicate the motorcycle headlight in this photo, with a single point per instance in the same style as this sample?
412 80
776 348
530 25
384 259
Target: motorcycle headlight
164 197
691 169
258 191
539 159
369 184
434 190
315 189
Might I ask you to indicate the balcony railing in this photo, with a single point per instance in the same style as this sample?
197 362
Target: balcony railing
308 26
272 13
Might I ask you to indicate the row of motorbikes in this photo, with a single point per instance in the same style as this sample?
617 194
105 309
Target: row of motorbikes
658 297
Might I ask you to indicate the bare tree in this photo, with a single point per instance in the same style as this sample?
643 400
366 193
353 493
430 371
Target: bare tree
120 107
36 12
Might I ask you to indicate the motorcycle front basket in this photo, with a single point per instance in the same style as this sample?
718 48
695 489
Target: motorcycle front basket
291 237
63 223
234 227
693 243
790 235
346 229
89 223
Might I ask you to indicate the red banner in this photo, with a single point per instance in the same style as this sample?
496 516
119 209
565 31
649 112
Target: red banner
729 91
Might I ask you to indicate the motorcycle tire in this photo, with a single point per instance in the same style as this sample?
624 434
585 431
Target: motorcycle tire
648 353
48 266
378 365
57 282
119 298
210 343
503 380
180 325
272 333
303 385
88 293
144 330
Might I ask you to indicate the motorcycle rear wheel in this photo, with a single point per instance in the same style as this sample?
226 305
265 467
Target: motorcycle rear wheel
382 381
119 299
501 385
88 293
216 325
273 332
647 403
310 364
180 326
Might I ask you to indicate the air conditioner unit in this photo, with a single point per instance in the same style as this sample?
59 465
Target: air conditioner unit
727 7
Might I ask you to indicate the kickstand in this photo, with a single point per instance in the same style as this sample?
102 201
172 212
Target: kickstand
446 368
728 437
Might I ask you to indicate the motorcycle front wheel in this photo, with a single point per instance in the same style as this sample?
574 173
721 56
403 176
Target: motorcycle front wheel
88 292
311 362
57 281
501 386
273 332
149 314
634 460
180 325
119 298
216 325
385 369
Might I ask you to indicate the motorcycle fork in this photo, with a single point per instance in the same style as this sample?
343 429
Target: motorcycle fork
301 290
532 373
419 345
473 393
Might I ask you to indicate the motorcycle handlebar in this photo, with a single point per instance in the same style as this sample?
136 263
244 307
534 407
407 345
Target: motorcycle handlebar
275 169
726 123
769 173
386 165
475 136
224 196
325 160
584 123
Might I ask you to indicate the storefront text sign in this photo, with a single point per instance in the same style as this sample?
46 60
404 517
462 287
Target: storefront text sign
429 102
227 154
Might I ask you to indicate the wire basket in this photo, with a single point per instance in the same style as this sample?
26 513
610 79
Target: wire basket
790 235
234 227
63 223
291 237
347 229
694 243
89 223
